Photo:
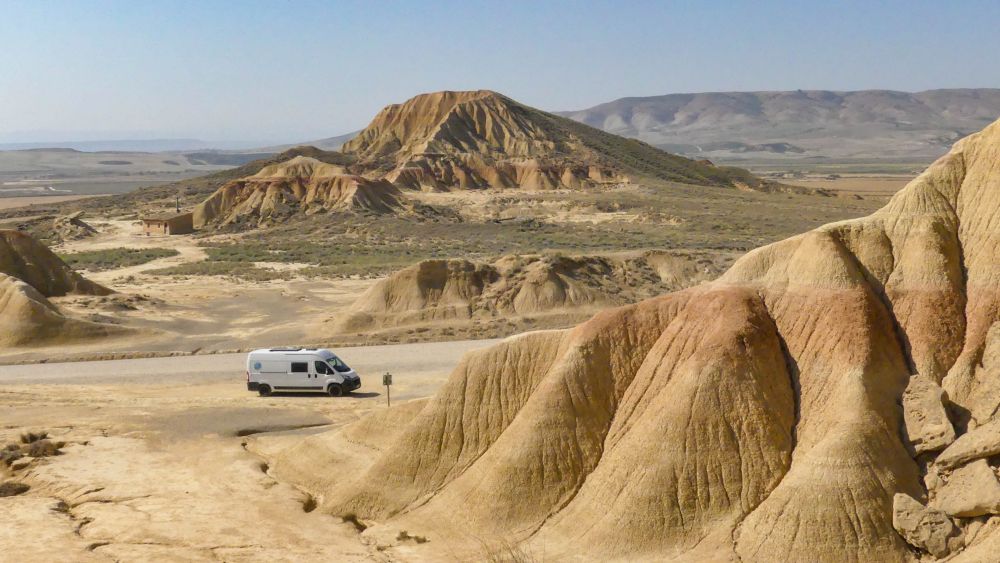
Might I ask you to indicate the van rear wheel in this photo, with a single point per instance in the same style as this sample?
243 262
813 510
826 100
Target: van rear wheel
264 390
335 390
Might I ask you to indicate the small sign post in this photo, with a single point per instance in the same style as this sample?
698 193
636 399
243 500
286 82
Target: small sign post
387 381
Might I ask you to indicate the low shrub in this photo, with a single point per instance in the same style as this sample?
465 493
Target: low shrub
13 488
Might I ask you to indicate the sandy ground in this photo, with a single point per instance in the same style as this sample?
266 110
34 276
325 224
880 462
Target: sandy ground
155 466
859 185
187 314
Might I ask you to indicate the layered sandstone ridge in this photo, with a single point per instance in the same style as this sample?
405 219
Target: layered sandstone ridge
482 139
756 417
301 184
29 274
532 285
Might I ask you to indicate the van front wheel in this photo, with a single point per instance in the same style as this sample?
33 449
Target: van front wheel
335 390
264 390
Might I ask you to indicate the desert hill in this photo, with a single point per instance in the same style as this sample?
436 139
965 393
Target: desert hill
464 290
799 123
27 318
29 274
300 184
756 417
483 139
30 261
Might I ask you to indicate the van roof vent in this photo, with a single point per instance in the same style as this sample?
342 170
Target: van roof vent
287 349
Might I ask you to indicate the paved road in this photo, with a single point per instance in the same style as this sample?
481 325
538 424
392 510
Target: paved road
434 358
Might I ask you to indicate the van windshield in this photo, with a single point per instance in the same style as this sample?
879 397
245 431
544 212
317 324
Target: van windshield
338 364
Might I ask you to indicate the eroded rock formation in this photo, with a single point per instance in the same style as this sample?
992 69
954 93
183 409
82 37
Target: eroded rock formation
757 416
439 290
302 184
481 139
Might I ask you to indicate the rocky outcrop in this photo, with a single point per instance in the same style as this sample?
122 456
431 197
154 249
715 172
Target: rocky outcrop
72 227
300 185
928 428
756 417
925 528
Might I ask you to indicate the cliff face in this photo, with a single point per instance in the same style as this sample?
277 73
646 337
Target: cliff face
755 416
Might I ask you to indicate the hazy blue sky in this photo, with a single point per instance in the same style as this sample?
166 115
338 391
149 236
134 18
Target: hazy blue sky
296 70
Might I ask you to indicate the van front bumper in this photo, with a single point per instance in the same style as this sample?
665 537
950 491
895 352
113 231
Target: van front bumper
351 384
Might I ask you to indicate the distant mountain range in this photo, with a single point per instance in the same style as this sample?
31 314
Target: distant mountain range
800 123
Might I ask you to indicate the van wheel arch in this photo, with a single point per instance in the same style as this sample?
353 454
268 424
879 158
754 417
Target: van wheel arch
334 390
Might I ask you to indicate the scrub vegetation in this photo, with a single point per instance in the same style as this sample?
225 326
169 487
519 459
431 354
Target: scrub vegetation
114 258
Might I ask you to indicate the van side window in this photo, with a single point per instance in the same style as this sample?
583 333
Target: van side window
300 367
322 368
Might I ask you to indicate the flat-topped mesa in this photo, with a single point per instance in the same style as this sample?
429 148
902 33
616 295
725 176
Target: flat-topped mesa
299 185
482 139
756 417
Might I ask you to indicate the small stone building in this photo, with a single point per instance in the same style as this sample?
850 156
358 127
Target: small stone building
178 224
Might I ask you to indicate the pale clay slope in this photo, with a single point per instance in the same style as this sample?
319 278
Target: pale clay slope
756 416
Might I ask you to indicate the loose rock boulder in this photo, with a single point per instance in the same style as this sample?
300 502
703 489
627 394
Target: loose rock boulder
924 527
972 490
927 424
982 442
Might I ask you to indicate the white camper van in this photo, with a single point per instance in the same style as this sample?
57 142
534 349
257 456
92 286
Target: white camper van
299 370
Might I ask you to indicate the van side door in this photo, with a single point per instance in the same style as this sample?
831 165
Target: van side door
298 376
